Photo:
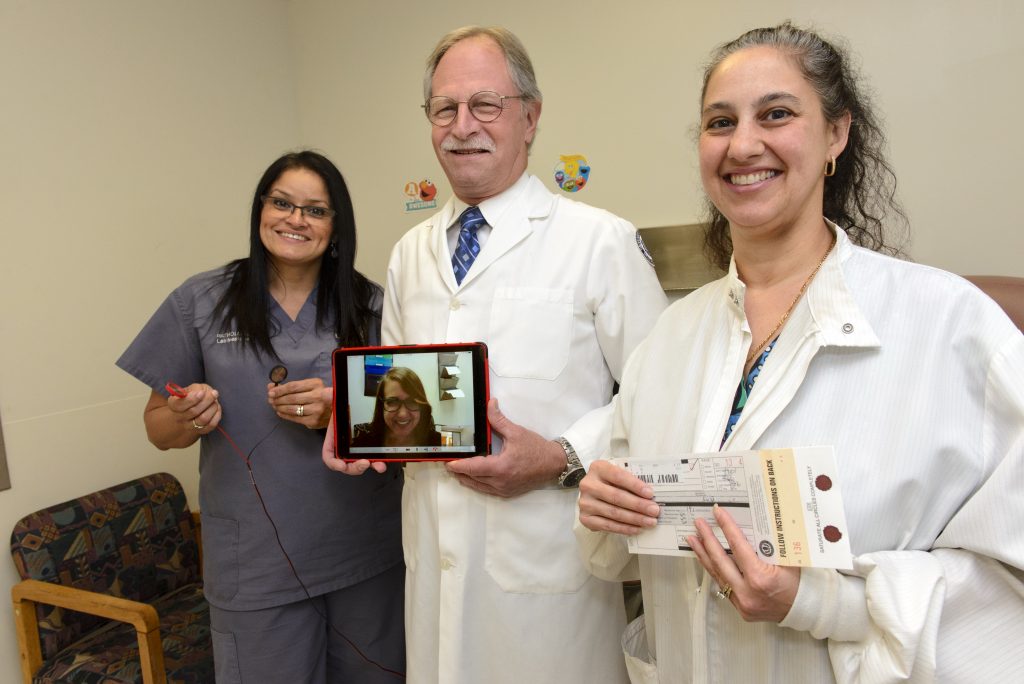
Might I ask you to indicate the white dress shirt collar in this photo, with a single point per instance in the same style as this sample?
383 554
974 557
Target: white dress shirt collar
493 209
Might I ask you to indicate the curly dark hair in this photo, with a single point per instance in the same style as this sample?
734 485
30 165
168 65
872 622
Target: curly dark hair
862 193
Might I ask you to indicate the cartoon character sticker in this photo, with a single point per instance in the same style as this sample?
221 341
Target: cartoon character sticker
421 195
427 190
572 172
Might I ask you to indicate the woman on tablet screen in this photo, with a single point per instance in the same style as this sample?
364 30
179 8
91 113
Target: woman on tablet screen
402 415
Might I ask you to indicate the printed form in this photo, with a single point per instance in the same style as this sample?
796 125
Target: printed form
786 501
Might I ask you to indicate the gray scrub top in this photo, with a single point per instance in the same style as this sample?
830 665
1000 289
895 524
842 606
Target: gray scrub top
338 530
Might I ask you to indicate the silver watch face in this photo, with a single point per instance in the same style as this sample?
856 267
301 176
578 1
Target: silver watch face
572 478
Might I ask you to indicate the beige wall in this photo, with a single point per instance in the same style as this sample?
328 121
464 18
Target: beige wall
621 82
131 138
133 132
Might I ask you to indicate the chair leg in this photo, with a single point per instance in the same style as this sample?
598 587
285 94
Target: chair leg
151 653
29 651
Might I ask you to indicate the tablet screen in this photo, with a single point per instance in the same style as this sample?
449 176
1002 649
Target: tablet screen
411 403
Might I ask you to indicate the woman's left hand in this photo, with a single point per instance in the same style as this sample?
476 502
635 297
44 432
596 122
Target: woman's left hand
760 592
306 402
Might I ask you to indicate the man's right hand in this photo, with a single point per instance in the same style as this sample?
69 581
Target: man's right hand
612 499
332 461
526 460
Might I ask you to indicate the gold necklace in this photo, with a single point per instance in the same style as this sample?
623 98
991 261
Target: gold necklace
785 316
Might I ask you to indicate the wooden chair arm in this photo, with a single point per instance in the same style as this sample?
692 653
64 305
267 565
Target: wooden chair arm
142 616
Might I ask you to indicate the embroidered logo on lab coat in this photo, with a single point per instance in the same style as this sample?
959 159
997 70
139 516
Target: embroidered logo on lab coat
643 249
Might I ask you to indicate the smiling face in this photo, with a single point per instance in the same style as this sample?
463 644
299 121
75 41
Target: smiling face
764 143
293 239
401 424
481 159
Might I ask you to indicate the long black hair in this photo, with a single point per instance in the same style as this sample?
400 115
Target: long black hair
343 294
862 193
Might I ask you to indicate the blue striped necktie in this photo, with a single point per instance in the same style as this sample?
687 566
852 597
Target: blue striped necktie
468 247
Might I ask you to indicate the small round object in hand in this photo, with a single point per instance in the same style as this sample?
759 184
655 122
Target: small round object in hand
278 374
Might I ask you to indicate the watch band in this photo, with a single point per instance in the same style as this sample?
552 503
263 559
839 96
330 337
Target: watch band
574 471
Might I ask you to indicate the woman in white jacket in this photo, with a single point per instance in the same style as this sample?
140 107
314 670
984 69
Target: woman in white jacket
816 336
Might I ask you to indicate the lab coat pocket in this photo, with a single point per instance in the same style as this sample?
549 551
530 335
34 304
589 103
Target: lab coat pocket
530 545
220 557
638 658
530 332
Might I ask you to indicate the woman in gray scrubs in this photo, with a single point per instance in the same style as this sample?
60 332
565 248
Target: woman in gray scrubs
290 585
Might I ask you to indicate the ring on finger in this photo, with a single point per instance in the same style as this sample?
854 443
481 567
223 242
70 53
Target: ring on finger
196 425
300 409
724 592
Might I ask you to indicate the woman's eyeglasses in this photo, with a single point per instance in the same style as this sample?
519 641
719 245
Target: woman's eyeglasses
392 404
285 208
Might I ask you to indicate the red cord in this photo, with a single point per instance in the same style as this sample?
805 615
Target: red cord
180 392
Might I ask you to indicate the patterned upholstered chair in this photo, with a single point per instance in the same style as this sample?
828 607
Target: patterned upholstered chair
112 588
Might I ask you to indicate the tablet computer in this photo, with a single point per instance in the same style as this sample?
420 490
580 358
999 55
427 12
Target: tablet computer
411 403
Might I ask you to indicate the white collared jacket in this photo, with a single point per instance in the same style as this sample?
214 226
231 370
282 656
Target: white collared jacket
917 379
561 293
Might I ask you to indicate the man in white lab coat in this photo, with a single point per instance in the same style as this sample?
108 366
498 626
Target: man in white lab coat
561 293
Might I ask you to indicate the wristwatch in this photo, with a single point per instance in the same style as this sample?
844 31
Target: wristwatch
574 471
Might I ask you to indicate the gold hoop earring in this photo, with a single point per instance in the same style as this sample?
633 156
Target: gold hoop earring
830 167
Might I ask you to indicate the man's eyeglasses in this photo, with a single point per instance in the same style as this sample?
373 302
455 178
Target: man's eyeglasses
285 208
485 106
392 404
